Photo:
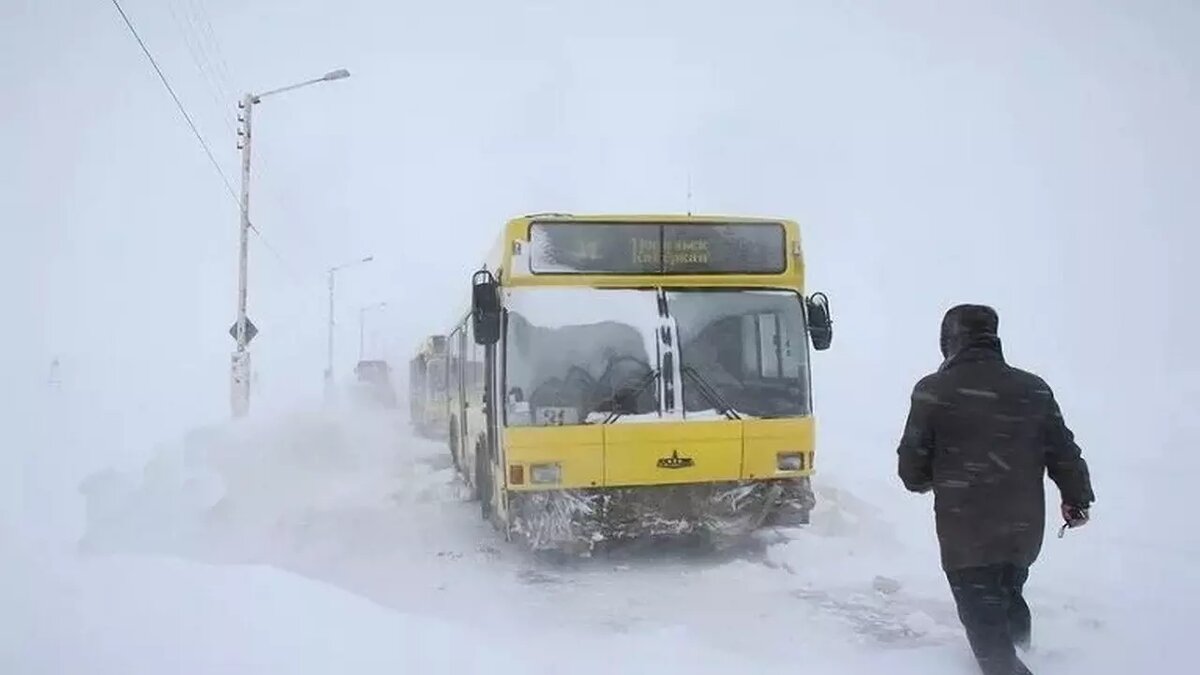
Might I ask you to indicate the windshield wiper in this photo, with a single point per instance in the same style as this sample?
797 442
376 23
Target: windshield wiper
632 393
709 393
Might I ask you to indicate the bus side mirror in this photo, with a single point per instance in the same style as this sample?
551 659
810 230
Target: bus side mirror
485 308
820 325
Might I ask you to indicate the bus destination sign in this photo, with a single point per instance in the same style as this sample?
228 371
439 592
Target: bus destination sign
653 248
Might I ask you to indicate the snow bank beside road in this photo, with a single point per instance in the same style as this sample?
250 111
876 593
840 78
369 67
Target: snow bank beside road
145 616
125 616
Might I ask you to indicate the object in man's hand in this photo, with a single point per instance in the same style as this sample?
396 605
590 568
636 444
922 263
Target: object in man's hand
1073 516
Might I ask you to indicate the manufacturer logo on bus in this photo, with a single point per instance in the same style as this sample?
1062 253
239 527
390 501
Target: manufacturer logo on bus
675 461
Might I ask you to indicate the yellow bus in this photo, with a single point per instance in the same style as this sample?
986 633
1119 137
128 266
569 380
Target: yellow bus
622 376
427 400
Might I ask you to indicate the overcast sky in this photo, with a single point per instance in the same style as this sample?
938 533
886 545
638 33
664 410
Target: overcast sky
1041 157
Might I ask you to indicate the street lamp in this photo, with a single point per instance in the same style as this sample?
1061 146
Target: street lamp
329 361
362 314
243 330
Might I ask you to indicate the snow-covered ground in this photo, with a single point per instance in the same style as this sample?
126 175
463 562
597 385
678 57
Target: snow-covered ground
1040 157
325 541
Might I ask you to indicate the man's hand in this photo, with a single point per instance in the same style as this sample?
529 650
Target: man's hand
1075 516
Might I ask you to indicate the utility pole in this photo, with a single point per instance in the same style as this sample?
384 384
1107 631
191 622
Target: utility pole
243 330
240 365
329 380
362 314
329 341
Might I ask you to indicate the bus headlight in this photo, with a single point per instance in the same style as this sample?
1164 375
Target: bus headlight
789 461
543 474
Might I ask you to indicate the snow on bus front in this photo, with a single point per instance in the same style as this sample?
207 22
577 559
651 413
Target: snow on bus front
576 354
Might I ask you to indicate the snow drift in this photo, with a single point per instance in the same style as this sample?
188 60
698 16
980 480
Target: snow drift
324 537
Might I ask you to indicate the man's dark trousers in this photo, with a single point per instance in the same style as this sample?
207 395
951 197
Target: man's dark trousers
994 614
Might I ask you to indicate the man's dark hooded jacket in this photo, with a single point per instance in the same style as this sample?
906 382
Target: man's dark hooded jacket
982 434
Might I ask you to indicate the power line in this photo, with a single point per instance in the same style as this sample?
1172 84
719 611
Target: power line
203 144
195 131
222 67
205 51
214 89
283 264
183 111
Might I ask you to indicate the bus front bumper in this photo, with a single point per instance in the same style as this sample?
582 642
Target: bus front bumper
580 519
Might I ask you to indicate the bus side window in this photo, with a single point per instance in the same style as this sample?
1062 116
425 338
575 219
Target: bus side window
767 347
790 359
768 344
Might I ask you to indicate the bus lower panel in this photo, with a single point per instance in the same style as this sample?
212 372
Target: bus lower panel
434 427
578 520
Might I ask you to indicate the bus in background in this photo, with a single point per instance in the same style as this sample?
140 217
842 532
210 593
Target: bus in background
427 388
374 383
621 376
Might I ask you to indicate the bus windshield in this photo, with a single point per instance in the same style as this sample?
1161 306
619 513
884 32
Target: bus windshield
590 356
747 347
578 355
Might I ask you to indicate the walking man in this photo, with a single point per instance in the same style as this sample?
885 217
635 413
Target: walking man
981 435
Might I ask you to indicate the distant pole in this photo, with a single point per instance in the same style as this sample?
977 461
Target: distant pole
362 314
329 341
55 381
329 379
689 193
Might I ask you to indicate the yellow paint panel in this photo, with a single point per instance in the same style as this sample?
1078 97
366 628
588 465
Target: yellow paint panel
578 449
633 451
766 438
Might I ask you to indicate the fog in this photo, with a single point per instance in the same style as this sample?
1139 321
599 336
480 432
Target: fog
1039 157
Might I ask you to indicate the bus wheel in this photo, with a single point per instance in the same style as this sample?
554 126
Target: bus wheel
483 482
